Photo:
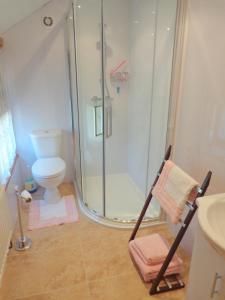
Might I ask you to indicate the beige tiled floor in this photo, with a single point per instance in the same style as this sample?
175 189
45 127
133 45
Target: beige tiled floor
83 261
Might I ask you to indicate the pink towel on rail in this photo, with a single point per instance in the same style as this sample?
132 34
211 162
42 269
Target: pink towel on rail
148 272
173 189
152 249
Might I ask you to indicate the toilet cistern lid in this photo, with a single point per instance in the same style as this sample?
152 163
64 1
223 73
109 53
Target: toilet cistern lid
48 167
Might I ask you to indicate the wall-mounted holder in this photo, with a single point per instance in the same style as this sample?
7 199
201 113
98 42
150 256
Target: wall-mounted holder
23 242
119 76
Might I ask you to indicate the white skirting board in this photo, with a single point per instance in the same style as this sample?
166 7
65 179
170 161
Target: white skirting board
6 226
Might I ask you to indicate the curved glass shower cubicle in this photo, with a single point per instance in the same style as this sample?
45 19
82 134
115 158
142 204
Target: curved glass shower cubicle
121 54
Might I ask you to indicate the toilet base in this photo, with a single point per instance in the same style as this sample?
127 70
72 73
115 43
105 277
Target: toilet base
52 195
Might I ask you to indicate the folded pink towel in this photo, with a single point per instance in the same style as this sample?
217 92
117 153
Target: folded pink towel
152 249
173 189
148 272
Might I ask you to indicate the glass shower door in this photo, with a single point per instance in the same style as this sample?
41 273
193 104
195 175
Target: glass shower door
138 43
74 101
129 44
89 70
124 53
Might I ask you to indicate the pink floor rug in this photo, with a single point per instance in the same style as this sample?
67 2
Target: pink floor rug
42 214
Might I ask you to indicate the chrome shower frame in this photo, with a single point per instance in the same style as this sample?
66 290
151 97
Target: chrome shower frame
180 36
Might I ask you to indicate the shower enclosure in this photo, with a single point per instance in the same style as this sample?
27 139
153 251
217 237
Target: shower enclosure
120 58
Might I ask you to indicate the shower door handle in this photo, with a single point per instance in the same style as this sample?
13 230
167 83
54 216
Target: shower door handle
108 121
214 290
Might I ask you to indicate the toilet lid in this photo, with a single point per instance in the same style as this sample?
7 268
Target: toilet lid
48 167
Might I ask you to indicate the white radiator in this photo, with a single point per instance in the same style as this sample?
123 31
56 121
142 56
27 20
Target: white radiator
6 226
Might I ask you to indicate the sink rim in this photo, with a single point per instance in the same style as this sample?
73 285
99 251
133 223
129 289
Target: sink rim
204 204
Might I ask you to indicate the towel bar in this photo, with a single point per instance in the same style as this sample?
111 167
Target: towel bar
172 282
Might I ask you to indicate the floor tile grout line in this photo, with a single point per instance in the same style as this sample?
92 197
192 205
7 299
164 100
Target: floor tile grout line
81 248
85 224
49 292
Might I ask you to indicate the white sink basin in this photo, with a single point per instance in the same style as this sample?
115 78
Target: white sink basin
211 216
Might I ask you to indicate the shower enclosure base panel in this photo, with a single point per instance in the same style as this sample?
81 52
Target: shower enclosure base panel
124 200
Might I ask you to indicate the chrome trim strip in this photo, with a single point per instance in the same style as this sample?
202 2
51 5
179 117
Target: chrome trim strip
116 222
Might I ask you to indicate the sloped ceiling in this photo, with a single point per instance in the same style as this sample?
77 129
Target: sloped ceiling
14 11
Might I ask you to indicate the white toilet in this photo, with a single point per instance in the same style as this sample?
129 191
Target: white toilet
49 169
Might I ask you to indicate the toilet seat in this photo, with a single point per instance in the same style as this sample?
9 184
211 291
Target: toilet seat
48 167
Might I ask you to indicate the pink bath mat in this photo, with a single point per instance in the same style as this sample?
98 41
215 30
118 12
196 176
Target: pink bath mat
42 214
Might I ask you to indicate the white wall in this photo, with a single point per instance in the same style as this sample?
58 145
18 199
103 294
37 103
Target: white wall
11 13
200 127
35 57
